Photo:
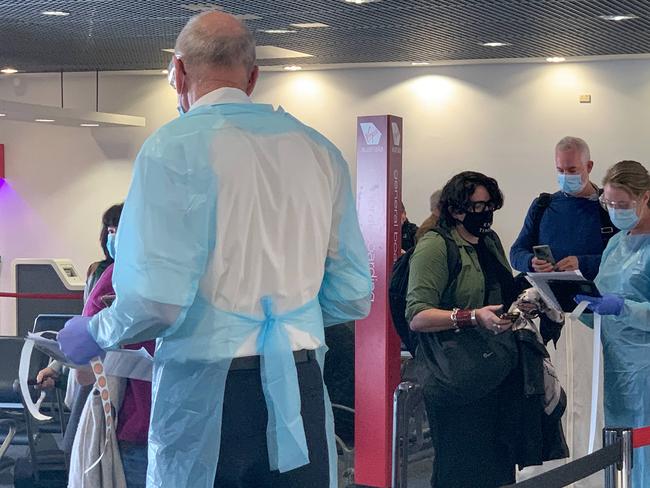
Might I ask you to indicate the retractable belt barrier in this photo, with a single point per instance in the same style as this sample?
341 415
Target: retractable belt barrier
617 455
576 470
43 296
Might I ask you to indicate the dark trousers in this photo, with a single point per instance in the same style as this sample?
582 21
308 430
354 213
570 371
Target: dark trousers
469 444
243 457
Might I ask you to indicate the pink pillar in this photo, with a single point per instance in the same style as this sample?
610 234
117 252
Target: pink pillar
377 359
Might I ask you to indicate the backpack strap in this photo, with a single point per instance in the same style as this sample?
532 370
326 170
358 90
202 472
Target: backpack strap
542 202
454 266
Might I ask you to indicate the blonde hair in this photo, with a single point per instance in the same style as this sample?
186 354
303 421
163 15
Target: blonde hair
630 176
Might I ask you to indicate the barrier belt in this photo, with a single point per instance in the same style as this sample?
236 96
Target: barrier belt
641 437
574 471
43 296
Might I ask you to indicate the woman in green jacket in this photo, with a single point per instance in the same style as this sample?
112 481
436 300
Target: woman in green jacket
445 302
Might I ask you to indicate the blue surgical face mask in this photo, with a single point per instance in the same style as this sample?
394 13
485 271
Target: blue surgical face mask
110 245
623 218
181 110
571 184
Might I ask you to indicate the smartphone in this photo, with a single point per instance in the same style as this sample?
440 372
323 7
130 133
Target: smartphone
511 316
544 253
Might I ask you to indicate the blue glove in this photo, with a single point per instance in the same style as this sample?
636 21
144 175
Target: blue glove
76 342
608 304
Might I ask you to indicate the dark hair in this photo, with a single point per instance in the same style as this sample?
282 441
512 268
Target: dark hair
457 192
111 218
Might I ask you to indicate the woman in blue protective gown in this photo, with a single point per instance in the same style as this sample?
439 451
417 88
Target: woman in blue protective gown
624 281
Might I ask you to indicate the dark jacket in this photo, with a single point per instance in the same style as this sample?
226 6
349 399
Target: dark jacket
533 436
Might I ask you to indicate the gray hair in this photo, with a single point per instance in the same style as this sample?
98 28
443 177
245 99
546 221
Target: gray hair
434 200
569 143
199 45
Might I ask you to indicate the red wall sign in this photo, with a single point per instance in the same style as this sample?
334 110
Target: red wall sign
377 359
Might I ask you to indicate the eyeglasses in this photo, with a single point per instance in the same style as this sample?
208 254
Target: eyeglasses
620 205
478 207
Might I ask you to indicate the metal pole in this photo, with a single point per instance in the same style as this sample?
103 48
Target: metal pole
610 436
399 463
627 461
398 405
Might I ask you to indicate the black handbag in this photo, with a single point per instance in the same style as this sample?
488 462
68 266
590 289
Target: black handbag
458 367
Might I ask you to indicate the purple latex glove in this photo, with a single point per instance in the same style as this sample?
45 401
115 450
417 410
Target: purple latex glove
608 304
76 342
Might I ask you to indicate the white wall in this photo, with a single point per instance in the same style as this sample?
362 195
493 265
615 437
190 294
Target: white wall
500 119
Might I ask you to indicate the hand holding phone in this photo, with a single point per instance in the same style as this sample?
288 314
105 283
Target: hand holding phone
543 253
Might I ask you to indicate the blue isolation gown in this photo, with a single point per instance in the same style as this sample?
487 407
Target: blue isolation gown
239 233
625 271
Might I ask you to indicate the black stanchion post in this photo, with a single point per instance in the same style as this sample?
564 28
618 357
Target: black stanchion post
610 436
627 461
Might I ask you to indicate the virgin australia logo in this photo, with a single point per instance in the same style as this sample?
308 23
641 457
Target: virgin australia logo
397 137
371 134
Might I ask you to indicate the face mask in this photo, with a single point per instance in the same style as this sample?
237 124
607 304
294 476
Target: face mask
181 110
623 218
478 223
110 245
571 184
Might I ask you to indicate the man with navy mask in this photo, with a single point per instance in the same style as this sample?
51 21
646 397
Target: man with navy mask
570 221
576 228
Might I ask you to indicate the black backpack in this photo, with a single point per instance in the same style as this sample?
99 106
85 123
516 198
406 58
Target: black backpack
399 283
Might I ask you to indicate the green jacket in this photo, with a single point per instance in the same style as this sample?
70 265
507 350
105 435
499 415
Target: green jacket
429 275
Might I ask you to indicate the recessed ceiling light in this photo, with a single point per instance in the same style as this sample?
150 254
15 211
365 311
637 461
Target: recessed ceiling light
494 44
292 68
3 115
43 120
556 59
309 25
360 2
169 50
278 31
89 125
420 63
56 13
618 18
165 72
9 71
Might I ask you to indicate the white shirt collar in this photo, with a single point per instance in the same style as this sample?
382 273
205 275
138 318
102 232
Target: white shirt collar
222 95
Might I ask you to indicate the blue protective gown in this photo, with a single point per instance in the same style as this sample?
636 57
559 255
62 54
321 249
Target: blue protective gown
240 228
625 271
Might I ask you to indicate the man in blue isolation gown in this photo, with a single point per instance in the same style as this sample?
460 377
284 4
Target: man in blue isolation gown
239 241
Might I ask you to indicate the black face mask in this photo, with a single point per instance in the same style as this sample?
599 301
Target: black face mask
478 223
